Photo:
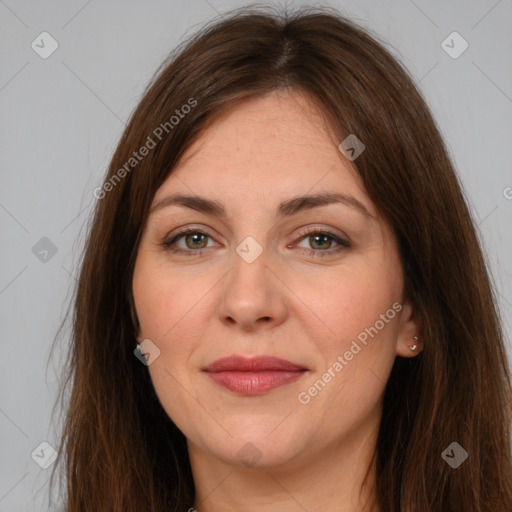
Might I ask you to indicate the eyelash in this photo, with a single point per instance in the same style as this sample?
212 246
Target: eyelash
342 244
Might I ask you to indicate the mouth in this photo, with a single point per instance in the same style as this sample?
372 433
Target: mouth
255 376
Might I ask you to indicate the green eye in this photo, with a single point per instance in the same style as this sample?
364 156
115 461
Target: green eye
196 242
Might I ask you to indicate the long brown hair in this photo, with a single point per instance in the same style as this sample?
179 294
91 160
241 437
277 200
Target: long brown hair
120 451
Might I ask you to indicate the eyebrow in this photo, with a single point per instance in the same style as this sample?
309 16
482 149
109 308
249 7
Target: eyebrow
285 209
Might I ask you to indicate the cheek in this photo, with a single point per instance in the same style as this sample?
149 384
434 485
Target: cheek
174 309
167 306
166 301
346 303
360 312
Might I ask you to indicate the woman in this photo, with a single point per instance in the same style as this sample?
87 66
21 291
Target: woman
283 304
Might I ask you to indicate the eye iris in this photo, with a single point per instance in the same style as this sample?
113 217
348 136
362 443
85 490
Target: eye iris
314 238
195 237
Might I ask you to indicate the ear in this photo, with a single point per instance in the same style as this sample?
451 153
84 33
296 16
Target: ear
134 317
407 330
136 328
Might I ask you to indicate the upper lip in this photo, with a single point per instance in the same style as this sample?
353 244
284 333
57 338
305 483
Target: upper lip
253 364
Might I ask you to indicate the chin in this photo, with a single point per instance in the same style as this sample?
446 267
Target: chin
257 445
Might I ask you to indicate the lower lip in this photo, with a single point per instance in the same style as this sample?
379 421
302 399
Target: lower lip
254 383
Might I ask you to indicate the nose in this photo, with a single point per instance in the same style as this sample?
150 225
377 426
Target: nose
253 298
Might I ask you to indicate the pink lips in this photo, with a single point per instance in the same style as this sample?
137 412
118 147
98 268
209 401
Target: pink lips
254 376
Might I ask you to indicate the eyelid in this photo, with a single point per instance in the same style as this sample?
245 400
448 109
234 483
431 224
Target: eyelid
173 236
326 231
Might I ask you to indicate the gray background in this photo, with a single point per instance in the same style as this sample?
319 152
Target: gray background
62 116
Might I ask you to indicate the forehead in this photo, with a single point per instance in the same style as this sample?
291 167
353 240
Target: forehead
263 148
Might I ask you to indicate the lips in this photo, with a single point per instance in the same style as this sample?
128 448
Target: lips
255 364
254 376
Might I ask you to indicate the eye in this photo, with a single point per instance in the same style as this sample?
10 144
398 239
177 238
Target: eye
194 242
320 242
194 239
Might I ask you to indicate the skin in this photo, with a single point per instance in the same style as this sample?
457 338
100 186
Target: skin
289 302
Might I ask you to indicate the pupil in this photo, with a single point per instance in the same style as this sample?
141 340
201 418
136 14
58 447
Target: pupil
325 237
196 238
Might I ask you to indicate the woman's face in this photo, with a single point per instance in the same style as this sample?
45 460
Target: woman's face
263 273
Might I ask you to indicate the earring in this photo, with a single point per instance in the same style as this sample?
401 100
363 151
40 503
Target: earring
414 347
